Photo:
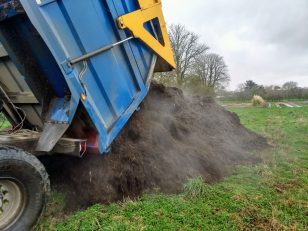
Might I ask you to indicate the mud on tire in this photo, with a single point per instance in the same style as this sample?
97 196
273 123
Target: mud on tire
24 188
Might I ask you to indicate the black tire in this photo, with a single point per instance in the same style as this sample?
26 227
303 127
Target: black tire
28 174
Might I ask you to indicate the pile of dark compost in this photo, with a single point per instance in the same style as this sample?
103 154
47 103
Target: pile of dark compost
170 139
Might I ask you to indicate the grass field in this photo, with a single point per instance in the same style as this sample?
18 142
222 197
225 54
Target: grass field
270 196
301 101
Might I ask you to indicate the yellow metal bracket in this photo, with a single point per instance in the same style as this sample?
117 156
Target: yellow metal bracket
134 21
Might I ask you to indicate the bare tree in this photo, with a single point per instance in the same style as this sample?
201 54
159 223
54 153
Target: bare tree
211 70
186 48
290 85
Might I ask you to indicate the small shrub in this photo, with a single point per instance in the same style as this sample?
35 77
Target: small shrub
258 101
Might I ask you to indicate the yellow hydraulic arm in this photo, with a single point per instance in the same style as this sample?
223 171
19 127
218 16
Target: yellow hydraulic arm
134 21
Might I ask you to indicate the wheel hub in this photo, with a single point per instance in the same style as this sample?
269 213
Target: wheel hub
11 203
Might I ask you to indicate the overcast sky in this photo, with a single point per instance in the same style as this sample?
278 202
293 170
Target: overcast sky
263 40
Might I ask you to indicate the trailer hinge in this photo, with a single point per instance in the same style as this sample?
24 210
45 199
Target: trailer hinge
135 21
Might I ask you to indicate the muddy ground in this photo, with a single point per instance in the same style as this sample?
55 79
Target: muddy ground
171 139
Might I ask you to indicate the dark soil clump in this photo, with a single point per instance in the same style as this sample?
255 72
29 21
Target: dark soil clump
171 139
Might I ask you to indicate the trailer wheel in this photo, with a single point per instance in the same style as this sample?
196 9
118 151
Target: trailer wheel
24 188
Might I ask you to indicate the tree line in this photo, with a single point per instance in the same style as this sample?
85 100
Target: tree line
204 72
197 68
245 91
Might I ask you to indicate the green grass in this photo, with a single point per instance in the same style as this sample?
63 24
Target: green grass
4 123
226 102
270 196
230 102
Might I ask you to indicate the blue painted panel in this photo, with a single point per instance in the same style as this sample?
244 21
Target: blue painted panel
140 50
114 82
110 68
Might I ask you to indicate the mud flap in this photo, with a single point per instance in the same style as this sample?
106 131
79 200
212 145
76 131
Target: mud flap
61 114
52 132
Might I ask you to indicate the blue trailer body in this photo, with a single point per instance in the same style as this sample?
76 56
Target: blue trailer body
110 85
82 67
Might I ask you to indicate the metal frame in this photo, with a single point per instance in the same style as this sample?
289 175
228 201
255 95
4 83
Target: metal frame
17 90
27 139
135 21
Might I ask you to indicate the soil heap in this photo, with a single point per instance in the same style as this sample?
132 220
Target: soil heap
170 139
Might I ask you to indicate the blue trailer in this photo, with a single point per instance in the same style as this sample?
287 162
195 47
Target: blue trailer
72 73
